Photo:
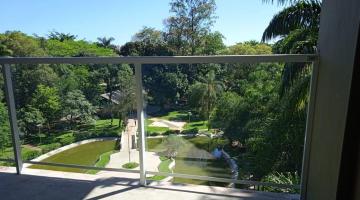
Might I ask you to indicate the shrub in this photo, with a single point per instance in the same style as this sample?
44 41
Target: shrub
171 132
83 136
286 178
192 131
30 154
66 139
49 147
153 134
130 165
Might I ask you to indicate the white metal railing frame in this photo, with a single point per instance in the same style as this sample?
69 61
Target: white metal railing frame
139 61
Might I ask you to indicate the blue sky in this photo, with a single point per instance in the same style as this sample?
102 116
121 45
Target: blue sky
238 20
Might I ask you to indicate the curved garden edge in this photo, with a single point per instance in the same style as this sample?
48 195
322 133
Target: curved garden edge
69 146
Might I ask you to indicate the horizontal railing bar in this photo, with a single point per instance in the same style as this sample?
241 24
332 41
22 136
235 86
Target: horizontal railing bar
205 178
224 180
82 167
162 59
7 160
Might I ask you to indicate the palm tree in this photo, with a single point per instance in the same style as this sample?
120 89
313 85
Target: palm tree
54 35
297 26
207 92
105 42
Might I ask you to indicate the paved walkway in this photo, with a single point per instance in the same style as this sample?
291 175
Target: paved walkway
127 154
173 125
43 185
128 135
152 162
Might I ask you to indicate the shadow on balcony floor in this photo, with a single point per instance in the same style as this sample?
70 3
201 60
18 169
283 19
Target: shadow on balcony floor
42 184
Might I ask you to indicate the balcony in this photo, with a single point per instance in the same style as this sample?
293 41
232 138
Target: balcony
115 183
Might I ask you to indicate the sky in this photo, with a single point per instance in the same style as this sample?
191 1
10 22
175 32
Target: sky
238 20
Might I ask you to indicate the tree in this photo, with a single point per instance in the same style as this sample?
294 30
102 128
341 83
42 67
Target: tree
54 35
28 78
203 95
46 99
191 21
247 48
149 35
31 119
77 107
4 51
105 42
20 44
4 127
212 43
127 103
298 27
165 84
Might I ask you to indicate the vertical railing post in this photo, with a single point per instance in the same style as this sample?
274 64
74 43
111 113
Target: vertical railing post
9 93
140 118
309 129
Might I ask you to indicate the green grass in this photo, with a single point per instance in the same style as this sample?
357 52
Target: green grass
130 165
153 129
195 122
27 153
201 125
86 154
163 167
176 116
187 164
155 144
102 161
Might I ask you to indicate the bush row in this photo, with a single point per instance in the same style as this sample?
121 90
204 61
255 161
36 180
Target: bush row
192 131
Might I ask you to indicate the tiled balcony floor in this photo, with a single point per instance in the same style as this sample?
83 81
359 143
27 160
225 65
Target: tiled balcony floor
51 185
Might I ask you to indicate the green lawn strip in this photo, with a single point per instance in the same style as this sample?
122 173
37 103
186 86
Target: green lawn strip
183 116
86 154
201 125
176 116
153 129
163 167
130 165
102 161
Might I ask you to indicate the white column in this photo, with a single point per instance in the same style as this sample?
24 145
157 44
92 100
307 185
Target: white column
9 93
140 117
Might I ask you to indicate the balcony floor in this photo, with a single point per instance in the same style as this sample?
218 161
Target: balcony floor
43 184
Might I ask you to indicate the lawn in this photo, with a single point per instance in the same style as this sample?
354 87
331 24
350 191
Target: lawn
163 167
183 116
86 154
103 160
153 129
27 153
57 138
194 158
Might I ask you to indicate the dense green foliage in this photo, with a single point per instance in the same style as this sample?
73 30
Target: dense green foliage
260 109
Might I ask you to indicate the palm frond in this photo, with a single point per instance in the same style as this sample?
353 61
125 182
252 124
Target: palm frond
302 15
297 41
298 96
284 2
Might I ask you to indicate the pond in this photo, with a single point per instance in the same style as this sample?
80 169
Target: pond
85 154
194 158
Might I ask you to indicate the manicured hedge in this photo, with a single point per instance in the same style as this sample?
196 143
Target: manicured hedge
49 147
192 131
